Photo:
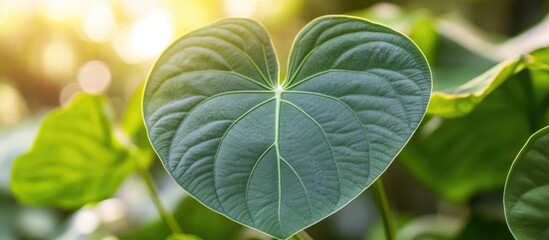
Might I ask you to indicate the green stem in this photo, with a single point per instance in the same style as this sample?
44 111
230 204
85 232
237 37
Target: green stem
168 218
301 236
533 109
384 210
304 235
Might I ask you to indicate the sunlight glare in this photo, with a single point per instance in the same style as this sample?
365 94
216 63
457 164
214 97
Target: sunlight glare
240 8
137 8
62 10
146 38
99 23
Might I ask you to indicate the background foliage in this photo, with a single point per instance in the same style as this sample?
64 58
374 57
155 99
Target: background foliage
450 176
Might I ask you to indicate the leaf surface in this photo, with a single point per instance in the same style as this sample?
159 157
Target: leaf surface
277 155
75 158
527 189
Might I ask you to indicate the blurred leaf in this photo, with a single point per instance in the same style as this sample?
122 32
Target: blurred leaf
194 218
538 64
481 108
278 155
425 35
75 158
134 127
460 156
456 64
527 189
540 58
481 228
459 100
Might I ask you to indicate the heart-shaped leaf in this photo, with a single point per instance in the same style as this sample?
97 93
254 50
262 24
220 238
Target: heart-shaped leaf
277 155
527 189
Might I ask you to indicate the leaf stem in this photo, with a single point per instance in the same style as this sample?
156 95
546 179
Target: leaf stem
381 201
303 235
168 218
533 109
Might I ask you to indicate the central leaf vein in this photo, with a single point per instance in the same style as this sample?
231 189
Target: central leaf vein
278 97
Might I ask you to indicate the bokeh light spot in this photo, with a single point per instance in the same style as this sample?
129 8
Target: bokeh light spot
58 59
94 77
86 221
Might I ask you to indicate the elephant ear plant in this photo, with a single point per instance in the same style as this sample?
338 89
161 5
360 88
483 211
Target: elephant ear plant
280 154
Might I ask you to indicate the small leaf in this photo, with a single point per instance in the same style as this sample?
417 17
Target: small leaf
527 189
75 158
278 155
461 99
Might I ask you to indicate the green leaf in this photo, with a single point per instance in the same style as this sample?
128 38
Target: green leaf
424 33
75 158
458 157
538 64
462 99
274 155
527 189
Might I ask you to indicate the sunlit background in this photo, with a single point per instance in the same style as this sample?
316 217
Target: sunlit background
51 50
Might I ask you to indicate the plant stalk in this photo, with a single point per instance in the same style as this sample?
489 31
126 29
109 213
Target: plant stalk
534 109
384 210
301 236
168 218
304 235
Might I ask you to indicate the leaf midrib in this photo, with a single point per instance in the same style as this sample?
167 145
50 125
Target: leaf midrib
278 98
